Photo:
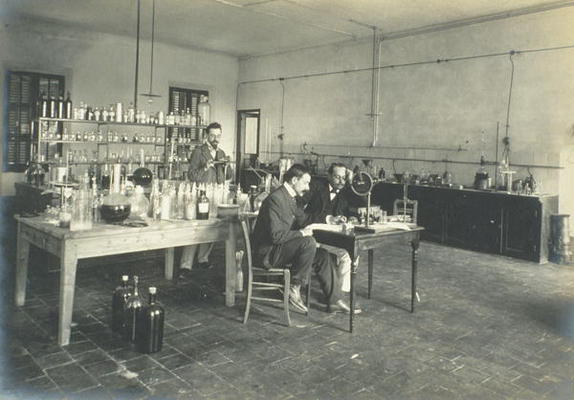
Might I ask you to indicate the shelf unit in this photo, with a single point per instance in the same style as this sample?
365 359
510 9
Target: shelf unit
159 139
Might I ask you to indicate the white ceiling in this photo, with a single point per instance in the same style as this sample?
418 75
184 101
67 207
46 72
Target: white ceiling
253 27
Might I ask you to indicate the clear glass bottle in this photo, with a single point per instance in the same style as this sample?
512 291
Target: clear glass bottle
204 110
82 213
149 337
139 203
119 303
134 305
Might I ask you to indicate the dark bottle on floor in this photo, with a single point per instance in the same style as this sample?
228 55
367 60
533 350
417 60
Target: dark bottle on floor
119 302
202 206
150 326
132 313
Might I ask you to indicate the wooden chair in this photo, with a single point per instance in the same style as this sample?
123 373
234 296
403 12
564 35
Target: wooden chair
261 280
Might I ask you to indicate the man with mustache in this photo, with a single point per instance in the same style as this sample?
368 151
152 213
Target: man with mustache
204 168
280 238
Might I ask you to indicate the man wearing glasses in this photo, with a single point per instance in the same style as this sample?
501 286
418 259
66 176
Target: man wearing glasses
331 199
207 165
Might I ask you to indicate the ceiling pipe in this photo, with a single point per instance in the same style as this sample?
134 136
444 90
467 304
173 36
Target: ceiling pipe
375 92
137 55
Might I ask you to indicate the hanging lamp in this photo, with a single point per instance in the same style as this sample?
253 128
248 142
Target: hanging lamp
150 95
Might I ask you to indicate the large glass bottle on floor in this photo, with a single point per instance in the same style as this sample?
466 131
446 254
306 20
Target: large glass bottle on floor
150 326
132 313
119 303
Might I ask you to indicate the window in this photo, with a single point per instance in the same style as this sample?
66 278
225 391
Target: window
182 101
23 89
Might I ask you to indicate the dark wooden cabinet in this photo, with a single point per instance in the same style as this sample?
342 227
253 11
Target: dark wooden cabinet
491 222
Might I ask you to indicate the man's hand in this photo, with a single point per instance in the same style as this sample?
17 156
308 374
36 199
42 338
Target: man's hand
209 164
306 232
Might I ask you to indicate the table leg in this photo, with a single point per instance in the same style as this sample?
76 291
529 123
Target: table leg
169 257
68 265
230 268
354 266
414 264
370 256
23 251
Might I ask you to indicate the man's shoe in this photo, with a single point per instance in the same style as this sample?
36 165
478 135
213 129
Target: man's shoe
184 273
341 307
296 301
204 265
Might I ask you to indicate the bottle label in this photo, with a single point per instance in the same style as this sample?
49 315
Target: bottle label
203 207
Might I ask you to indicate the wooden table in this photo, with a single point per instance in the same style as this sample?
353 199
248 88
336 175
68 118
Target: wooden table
356 242
105 240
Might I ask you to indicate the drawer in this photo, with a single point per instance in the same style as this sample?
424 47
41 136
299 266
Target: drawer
40 239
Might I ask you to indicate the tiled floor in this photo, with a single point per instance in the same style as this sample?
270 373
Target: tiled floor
487 327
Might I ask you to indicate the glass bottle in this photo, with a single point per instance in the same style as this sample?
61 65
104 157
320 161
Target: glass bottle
61 106
139 203
202 206
150 326
68 107
189 199
119 303
43 105
166 201
154 201
134 305
203 109
81 218
53 107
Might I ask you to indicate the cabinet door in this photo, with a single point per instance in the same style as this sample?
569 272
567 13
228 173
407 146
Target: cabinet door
431 214
459 218
474 222
522 229
486 224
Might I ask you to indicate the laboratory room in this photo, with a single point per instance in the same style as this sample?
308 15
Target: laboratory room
287 199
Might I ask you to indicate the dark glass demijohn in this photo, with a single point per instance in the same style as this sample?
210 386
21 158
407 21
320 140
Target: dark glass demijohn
150 326
119 302
132 313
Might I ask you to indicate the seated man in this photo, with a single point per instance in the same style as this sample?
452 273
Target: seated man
279 239
332 198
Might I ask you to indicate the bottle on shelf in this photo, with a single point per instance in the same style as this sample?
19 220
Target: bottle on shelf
203 109
119 303
53 107
68 109
43 105
134 305
150 326
202 206
61 106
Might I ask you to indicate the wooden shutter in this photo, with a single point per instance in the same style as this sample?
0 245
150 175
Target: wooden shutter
23 89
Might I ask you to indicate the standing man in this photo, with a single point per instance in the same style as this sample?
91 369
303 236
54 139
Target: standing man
279 239
207 165
332 198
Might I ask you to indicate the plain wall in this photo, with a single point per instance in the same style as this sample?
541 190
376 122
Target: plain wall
432 111
100 70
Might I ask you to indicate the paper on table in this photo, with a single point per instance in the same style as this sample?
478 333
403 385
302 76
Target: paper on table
326 227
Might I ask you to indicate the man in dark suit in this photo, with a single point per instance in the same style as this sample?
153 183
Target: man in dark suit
280 238
207 162
332 198
206 165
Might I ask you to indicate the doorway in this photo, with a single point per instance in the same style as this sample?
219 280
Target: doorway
247 150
